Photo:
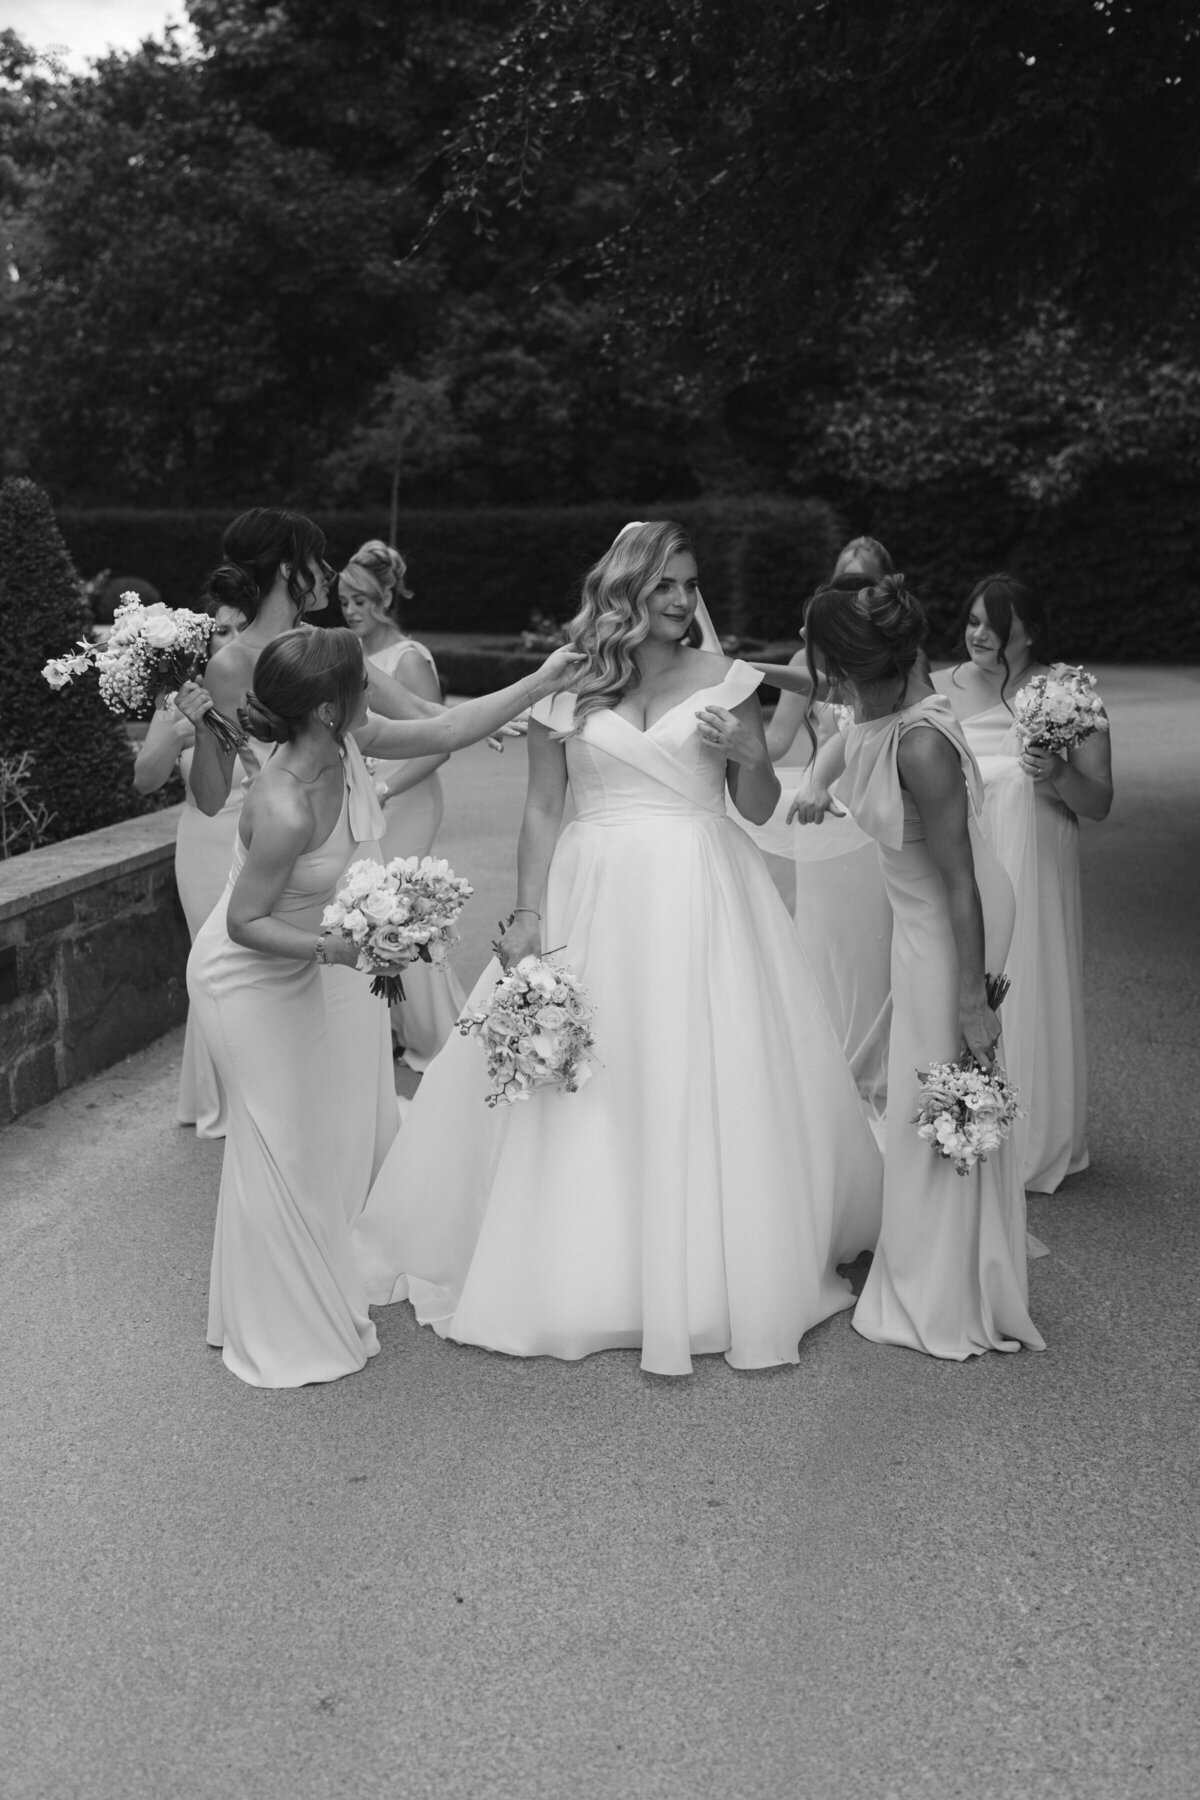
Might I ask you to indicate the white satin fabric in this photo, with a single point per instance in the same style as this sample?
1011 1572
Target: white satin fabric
697 1194
949 1273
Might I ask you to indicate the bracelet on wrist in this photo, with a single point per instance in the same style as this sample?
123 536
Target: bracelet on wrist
319 952
523 909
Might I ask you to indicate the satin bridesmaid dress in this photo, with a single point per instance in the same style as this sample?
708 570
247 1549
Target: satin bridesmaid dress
433 998
697 1195
304 1055
203 855
949 1272
1036 839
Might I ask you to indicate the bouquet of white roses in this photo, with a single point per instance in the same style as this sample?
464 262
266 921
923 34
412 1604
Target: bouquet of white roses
151 650
1058 710
398 913
965 1110
535 1031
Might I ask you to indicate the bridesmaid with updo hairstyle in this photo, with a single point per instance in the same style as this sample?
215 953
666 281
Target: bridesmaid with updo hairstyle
1033 803
949 1274
273 571
370 590
301 1046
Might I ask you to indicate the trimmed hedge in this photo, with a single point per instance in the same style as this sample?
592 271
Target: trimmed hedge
1118 565
82 769
488 570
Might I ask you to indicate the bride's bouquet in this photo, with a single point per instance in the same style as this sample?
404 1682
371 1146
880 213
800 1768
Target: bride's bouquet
535 1030
151 650
1058 710
398 913
965 1110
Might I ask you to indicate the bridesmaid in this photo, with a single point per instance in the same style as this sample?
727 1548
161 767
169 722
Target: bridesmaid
273 570
370 589
949 1275
203 850
286 1304
1032 806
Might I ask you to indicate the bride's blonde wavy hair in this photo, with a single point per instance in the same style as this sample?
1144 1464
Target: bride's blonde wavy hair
612 619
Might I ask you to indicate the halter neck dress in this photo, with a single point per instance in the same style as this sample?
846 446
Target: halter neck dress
949 1272
698 1193
304 1056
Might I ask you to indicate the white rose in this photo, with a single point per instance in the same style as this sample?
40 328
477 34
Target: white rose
160 633
355 925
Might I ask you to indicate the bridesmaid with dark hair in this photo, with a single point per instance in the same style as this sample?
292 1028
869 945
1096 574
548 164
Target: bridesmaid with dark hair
948 1276
302 1048
273 571
1032 806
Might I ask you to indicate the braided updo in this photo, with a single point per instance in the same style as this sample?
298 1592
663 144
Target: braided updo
376 572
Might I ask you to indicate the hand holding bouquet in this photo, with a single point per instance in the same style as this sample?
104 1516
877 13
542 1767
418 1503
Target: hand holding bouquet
965 1109
535 1031
1057 711
397 913
151 650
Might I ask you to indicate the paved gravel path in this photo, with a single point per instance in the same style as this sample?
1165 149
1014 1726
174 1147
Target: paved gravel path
868 1577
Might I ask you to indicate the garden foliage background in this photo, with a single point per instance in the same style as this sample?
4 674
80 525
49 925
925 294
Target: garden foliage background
495 277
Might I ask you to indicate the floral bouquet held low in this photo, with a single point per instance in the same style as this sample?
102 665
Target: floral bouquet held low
151 650
398 913
1057 711
535 1030
964 1109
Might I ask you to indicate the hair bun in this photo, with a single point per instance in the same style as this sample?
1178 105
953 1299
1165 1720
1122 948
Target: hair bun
896 614
261 722
231 585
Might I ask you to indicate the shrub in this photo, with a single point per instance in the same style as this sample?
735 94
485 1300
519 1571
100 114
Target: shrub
489 569
1116 563
78 766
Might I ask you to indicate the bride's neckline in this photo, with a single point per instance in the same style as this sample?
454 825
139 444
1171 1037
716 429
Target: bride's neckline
653 724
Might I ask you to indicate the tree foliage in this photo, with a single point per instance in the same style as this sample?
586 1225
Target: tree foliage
684 246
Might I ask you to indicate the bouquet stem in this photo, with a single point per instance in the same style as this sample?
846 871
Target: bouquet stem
389 988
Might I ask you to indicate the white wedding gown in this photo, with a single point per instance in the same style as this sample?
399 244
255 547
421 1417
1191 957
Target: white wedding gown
697 1194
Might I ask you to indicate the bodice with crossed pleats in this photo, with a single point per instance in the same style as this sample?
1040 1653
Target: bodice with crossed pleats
698 1193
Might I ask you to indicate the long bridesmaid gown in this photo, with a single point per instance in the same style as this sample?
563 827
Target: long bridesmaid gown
949 1272
304 1055
698 1193
1036 839
203 854
844 922
433 998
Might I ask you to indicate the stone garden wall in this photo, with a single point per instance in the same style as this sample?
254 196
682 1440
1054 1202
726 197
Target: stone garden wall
93 952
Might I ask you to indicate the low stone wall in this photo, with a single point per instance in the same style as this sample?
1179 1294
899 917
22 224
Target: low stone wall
93 953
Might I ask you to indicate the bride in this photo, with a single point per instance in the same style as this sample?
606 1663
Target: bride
697 1194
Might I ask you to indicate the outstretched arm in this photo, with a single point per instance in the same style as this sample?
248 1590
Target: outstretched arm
544 799
452 728
788 717
932 773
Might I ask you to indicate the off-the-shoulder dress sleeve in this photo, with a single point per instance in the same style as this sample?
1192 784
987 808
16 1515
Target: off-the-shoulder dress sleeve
739 683
556 711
